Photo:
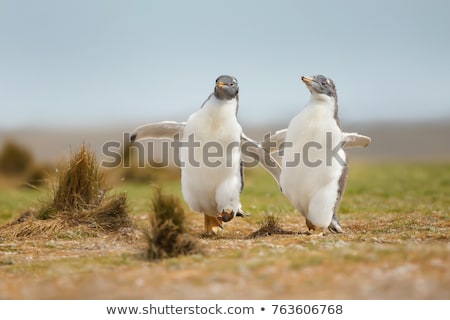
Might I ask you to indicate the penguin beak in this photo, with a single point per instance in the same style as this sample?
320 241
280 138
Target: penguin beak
220 84
307 79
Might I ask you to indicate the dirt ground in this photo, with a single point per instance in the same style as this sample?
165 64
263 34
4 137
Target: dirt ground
411 262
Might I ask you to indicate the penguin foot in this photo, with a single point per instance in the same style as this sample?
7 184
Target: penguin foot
226 215
313 231
212 225
310 225
242 214
335 226
316 233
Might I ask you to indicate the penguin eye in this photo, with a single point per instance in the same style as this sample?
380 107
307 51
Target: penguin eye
232 84
324 83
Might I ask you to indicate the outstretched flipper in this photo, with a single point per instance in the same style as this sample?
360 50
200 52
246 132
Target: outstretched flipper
355 140
275 143
159 130
252 151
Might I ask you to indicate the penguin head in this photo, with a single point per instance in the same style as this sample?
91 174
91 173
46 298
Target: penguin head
320 84
226 88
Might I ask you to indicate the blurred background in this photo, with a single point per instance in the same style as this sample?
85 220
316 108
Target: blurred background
88 71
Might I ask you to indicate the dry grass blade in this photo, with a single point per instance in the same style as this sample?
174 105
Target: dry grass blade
167 235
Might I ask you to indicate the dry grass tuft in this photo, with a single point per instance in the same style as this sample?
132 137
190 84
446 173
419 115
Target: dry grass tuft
80 185
79 202
269 226
167 235
14 159
27 225
18 166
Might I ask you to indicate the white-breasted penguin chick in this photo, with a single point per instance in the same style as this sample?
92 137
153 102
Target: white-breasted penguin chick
314 169
214 189
211 185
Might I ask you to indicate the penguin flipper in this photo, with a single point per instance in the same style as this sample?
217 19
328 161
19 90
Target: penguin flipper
252 151
355 140
159 130
275 142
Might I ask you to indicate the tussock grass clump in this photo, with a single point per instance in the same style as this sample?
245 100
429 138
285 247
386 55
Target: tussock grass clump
18 166
80 185
15 159
79 201
270 225
167 235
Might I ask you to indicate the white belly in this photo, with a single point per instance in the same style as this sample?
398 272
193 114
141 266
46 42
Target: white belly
210 173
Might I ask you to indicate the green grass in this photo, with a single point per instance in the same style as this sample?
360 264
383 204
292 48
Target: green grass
372 189
14 201
397 188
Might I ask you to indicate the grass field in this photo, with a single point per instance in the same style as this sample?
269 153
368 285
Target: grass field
396 245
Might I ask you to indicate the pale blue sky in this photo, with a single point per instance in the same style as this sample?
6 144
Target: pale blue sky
86 63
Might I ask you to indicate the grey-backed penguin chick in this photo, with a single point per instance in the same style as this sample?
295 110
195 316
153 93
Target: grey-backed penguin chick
314 169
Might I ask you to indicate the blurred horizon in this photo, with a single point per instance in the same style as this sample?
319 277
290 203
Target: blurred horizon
404 141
